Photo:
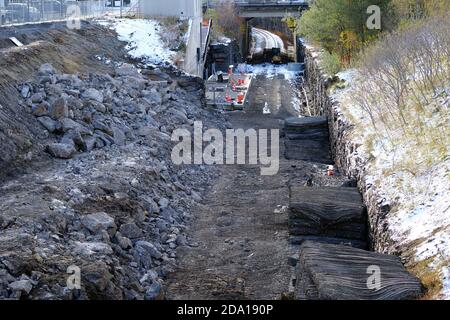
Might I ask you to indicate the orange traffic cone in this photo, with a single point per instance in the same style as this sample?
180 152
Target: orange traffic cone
228 97
240 97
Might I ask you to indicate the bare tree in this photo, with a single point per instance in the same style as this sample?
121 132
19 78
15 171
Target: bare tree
400 76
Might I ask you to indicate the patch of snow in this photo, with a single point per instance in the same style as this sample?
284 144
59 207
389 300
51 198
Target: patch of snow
446 281
347 75
431 194
222 40
271 71
420 217
225 40
296 102
143 38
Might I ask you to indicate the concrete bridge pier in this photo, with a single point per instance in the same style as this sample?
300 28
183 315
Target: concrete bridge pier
246 36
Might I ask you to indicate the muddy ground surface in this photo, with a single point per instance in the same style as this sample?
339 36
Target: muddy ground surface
241 226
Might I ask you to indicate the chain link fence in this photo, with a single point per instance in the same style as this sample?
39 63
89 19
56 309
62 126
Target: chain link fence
24 11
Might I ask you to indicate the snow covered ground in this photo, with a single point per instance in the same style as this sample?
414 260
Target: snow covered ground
144 39
420 215
271 71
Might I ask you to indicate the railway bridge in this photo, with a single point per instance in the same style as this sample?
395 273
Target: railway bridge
270 8
249 9
265 8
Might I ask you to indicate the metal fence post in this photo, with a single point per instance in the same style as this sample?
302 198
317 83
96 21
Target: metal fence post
28 12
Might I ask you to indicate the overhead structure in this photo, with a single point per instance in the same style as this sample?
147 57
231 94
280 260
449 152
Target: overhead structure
266 8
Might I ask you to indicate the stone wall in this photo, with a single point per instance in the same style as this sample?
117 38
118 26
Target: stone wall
345 154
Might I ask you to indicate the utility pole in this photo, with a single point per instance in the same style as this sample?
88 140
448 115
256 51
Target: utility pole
121 6
292 25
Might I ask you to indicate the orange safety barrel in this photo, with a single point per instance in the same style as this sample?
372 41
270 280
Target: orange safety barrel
240 97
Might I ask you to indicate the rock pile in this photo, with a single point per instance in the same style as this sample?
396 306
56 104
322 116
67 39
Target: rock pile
92 113
117 208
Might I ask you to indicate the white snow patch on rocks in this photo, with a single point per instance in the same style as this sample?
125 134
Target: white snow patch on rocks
271 71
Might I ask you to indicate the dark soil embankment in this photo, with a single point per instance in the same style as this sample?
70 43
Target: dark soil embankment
69 51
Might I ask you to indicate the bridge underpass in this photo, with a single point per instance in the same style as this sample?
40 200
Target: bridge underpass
270 9
250 9
266 9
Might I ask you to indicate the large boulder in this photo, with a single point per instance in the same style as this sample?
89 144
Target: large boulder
22 286
130 230
93 94
99 221
49 124
61 150
89 248
46 69
127 70
59 109
150 248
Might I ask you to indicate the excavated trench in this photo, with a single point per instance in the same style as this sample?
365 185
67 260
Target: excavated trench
299 234
195 232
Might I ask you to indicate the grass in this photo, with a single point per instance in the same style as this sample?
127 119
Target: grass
431 277
331 63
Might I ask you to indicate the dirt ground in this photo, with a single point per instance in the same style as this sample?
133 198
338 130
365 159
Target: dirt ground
241 232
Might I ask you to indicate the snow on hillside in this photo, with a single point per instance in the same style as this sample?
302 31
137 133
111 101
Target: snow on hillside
143 38
420 215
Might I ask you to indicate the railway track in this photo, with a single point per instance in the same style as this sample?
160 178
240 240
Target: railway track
263 39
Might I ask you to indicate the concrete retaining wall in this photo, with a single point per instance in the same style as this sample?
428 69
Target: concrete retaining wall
192 59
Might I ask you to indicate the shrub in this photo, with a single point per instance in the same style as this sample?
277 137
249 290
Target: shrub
226 20
402 78
331 63
331 22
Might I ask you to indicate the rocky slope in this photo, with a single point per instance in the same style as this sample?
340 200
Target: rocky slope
98 191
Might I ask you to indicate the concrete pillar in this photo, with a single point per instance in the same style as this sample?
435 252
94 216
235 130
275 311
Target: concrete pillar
293 28
246 37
